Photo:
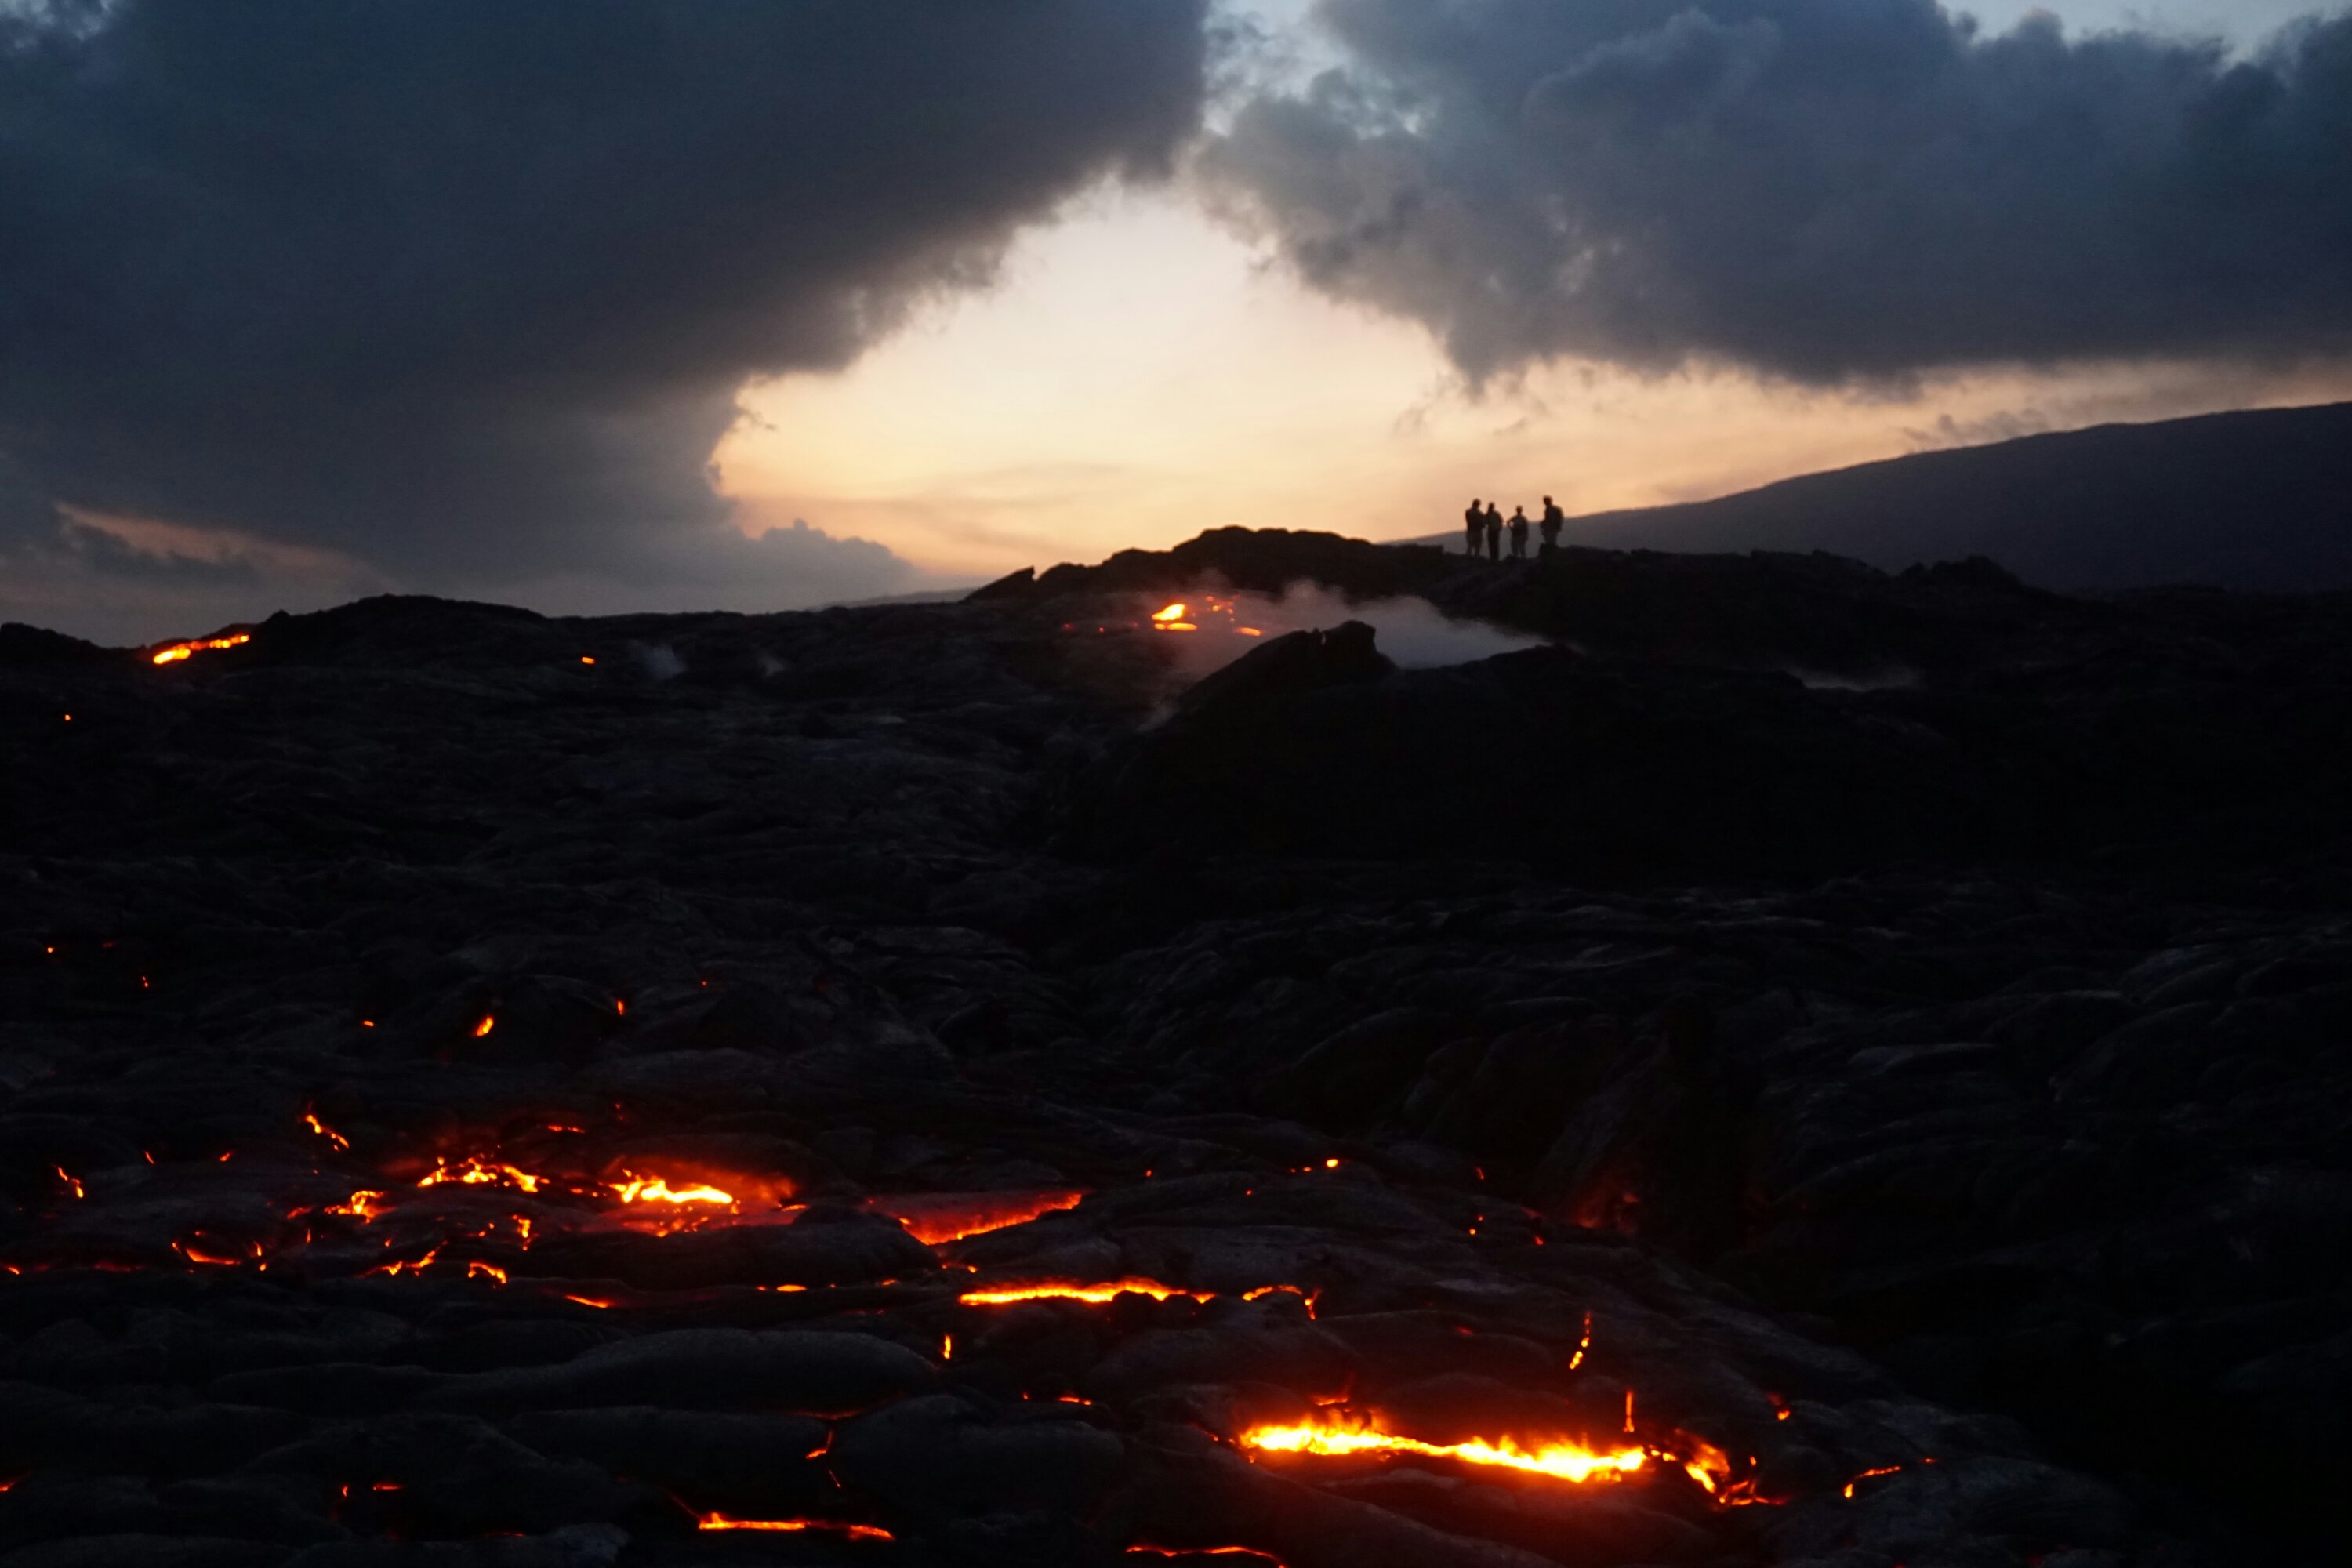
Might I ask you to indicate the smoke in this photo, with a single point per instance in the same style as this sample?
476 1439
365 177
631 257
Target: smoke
1413 632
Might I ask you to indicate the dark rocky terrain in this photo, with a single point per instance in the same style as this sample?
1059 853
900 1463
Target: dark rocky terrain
1871 1049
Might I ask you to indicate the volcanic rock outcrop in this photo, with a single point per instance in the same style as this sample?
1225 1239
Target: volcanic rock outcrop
1814 1066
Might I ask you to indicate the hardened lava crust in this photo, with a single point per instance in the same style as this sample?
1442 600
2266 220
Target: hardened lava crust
1799 1066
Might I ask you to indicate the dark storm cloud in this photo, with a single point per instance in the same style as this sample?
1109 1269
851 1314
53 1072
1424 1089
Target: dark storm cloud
464 289
1817 189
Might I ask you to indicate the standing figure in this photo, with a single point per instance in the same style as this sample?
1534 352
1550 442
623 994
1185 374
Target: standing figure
1519 533
1552 519
1474 519
1493 532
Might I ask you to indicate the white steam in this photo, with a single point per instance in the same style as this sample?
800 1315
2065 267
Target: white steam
1413 632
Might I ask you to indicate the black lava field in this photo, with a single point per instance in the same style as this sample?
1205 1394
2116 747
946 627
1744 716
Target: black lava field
1800 1066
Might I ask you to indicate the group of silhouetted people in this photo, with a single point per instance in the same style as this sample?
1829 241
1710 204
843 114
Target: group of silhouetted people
1484 525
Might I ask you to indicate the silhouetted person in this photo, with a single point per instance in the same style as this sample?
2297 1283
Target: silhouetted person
1552 519
1474 519
1519 533
1493 532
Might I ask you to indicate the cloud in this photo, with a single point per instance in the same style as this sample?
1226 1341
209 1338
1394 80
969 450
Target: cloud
1817 190
465 291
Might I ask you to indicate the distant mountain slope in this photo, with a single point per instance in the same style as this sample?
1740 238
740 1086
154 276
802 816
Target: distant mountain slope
2257 500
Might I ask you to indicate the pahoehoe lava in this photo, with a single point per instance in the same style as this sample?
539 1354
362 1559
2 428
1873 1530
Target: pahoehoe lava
1811 1066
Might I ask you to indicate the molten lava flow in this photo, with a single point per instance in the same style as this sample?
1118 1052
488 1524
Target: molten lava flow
854 1531
362 1205
489 1021
396 1269
1071 1291
1881 1470
310 1119
179 651
636 1189
476 1172
201 1249
72 1185
1139 1550
480 1270
1563 1461
1171 619
954 1217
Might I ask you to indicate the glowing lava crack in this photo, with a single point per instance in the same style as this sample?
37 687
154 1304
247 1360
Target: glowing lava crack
1562 1461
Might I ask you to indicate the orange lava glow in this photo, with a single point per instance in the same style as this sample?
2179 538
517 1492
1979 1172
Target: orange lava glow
213 1254
181 650
361 1204
600 1305
1142 1551
854 1531
1073 1290
1562 1461
489 1021
72 1185
311 1119
636 1189
396 1269
480 1270
954 1217
1881 1470
477 1172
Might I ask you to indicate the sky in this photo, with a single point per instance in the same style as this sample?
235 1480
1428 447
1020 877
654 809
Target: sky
598 305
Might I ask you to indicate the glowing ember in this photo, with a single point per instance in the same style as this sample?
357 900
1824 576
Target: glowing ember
1072 1290
476 1172
310 1119
635 1189
213 1254
396 1269
489 1022
179 651
1563 1461
854 1531
952 1217
361 1204
72 1185
1881 1470
1263 1291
